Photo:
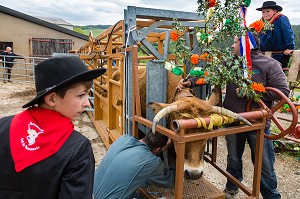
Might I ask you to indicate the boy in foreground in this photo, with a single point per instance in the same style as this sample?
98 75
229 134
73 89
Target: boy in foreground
41 155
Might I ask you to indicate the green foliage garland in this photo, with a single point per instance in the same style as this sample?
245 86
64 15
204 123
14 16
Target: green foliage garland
222 21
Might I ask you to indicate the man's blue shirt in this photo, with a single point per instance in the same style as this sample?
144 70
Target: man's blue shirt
128 165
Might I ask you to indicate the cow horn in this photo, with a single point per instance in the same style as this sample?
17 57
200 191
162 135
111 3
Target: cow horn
162 113
226 112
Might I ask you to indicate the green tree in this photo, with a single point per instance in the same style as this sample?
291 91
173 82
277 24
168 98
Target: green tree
78 29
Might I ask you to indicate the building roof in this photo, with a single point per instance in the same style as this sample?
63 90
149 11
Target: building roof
41 22
57 21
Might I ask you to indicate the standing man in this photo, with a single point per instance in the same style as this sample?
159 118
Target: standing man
267 71
131 163
8 62
281 37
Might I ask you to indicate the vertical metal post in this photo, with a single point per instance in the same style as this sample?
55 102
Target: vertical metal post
180 148
259 146
4 70
130 23
33 71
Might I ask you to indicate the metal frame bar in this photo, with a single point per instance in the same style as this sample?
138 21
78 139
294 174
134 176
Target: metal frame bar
133 36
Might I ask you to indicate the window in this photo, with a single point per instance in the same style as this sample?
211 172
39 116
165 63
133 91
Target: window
3 45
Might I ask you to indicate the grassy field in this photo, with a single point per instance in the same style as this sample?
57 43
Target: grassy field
95 31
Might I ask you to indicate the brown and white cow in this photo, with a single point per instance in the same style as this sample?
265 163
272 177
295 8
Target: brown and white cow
186 103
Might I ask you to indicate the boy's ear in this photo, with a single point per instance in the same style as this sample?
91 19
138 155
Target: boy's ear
50 99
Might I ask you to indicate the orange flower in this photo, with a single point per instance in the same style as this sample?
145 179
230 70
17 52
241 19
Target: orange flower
297 107
206 73
200 81
212 3
257 25
174 36
258 87
195 59
288 110
204 57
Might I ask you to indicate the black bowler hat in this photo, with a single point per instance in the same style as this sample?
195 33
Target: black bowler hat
57 72
270 4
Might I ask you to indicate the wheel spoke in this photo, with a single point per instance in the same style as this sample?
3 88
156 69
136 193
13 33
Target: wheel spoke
277 123
278 105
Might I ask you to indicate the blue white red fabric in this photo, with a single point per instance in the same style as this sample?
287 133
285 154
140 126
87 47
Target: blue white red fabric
247 42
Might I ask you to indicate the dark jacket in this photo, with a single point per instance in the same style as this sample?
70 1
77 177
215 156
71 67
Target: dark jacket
68 174
267 71
9 58
278 39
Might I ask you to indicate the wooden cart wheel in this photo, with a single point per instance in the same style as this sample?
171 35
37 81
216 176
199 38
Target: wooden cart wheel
284 100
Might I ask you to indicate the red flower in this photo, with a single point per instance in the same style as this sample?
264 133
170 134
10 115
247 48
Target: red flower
174 36
195 59
258 87
212 3
257 25
200 81
205 57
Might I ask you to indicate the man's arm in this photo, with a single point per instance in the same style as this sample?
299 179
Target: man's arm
17 56
163 177
287 33
276 79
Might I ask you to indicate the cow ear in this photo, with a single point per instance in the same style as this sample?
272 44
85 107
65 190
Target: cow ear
156 107
214 99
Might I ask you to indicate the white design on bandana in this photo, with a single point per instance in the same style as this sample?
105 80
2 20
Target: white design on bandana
33 132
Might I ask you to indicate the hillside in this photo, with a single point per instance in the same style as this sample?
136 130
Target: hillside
97 29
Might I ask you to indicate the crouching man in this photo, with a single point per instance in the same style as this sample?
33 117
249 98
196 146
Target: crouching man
131 163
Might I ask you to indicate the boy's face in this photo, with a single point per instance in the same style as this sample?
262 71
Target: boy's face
73 103
268 13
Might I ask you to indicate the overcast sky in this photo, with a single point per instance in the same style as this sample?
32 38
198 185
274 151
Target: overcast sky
108 12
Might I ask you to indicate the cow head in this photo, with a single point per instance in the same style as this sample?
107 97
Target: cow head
187 104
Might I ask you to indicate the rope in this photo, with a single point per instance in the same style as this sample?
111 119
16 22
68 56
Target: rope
215 120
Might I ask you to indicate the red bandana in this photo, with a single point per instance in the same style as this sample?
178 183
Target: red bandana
36 134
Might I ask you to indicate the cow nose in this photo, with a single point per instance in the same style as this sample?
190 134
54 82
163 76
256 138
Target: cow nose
192 175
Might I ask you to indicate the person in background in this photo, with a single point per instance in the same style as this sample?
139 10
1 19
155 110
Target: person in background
281 37
267 71
41 155
8 57
131 163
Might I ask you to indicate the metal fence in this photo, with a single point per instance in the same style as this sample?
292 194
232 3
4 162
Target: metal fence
20 70
23 70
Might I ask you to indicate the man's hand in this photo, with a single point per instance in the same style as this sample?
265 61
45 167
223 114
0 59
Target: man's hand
184 84
288 52
169 143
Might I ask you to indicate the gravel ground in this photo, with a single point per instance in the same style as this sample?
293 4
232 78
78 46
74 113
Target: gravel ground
14 95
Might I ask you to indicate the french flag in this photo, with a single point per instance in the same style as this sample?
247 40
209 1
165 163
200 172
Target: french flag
247 42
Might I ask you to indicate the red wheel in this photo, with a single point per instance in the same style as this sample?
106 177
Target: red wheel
284 100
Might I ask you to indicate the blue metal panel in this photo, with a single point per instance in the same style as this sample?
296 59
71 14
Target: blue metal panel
156 87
